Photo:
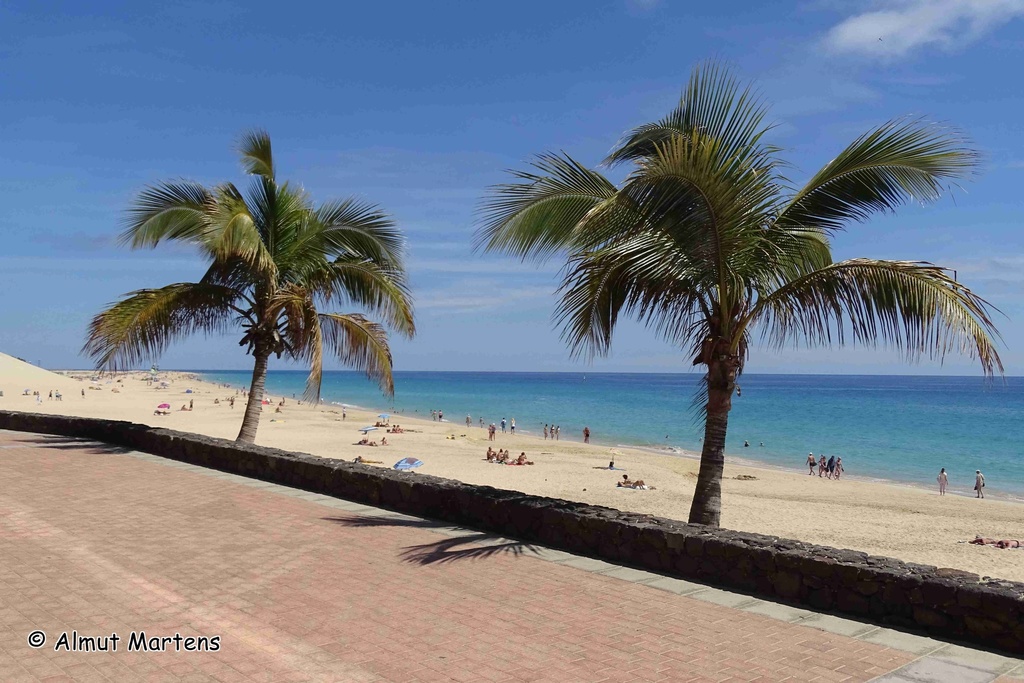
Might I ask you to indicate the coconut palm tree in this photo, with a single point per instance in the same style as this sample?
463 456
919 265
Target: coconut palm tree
709 245
275 260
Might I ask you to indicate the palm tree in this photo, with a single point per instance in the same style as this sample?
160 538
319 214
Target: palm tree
707 243
275 260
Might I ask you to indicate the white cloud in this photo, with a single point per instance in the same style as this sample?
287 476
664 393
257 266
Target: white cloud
894 28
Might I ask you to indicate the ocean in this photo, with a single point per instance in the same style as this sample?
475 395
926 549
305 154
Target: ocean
898 428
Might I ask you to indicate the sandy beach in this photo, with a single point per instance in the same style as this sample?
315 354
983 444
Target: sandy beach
878 518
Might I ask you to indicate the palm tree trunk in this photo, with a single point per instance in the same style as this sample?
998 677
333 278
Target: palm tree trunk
707 498
254 406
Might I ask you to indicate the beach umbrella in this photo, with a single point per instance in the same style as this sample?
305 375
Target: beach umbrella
408 463
384 416
164 406
364 430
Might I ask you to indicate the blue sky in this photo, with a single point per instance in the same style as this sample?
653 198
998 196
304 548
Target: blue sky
420 106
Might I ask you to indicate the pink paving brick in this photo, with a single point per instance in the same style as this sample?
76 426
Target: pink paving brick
298 591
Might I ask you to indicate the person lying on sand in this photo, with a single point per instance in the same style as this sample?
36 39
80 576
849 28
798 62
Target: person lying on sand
1004 543
521 460
627 483
364 461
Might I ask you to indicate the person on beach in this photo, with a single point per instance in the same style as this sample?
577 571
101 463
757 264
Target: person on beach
440 416
822 466
232 401
502 425
545 432
839 467
190 403
943 480
831 466
491 431
979 484
1003 544
558 431
512 427
586 435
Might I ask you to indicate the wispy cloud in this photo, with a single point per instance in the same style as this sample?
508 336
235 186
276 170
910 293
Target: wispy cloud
895 28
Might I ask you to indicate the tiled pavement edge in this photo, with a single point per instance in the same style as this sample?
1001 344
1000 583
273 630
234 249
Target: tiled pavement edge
269 598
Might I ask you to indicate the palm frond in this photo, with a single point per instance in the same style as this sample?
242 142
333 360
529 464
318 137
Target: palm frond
901 161
539 215
350 227
141 326
168 211
360 344
914 307
382 291
713 106
257 158
642 278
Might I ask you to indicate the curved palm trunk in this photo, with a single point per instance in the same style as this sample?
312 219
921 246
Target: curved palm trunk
707 498
254 406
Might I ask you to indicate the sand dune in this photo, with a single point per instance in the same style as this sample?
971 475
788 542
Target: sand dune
905 522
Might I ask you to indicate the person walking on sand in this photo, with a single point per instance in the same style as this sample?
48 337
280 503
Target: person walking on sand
831 466
512 427
586 435
979 484
469 421
545 432
822 466
502 425
811 462
839 467
558 432
943 480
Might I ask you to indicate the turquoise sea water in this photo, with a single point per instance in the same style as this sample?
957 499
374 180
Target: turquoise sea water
887 427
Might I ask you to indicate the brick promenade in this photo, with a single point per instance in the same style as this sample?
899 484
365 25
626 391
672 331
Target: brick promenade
99 541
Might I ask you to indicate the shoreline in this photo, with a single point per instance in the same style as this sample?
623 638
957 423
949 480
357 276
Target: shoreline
673 451
885 518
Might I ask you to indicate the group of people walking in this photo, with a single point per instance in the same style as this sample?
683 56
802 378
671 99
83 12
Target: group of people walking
831 468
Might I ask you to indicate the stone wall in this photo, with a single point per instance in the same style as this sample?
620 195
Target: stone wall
947 603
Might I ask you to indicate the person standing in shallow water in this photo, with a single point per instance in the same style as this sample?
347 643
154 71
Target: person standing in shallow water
943 480
979 484
586 435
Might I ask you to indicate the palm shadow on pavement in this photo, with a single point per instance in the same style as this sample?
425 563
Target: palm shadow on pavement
473 545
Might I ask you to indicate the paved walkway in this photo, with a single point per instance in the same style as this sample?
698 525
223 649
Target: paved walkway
302 587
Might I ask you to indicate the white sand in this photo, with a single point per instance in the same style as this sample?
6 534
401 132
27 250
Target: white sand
882 519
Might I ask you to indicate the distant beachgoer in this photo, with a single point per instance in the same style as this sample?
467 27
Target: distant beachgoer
469 421
512 427
761 444
586 435
822 466
232 401
943 480
502 425
839 467
344 414
481 423
190 403
1003 544
490 432
558 431
979 484
50 397
746 444
440 416
545 432
83 393
831 465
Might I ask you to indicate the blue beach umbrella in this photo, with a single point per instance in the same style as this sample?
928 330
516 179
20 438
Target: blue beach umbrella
364 430
408 463
384 416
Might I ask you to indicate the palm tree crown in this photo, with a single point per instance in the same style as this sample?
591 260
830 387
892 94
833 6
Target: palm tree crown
707 243
275 259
